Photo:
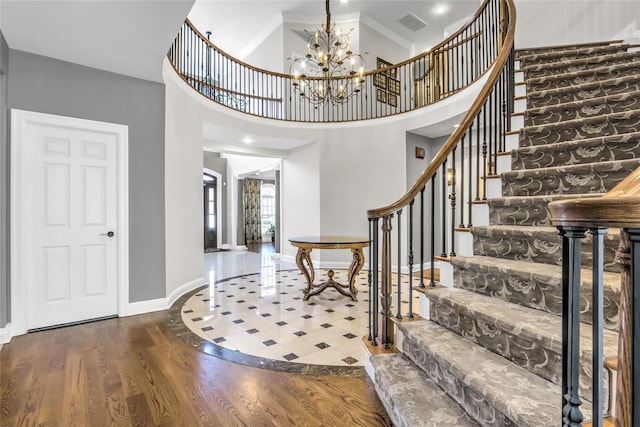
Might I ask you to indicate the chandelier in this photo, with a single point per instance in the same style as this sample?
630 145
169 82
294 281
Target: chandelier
329 72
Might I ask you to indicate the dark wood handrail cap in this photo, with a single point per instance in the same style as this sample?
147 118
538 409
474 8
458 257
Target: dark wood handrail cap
619 212
620 207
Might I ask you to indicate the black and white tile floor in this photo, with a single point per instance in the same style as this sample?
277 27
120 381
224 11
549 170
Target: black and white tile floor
260 319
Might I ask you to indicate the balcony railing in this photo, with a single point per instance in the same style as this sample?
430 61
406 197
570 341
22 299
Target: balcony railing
415 83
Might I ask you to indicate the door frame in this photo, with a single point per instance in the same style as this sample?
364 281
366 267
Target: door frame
20 120
218 177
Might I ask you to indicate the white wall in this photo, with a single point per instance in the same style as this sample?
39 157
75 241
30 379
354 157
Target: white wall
556 22
268 54
183 189
327 186
301 196
378 45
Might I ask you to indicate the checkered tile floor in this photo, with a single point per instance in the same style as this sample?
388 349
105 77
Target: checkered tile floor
263 315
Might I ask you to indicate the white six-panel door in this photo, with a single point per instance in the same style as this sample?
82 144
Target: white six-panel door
68 219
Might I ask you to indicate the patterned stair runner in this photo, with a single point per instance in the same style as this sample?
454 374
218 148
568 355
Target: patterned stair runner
493 343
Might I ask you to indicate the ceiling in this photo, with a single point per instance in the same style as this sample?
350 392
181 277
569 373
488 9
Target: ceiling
238 26
125 37
132 37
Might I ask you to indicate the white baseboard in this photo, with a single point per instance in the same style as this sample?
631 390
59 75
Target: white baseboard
148 306
181 290
5 334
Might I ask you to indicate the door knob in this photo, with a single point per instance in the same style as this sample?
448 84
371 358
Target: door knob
109 234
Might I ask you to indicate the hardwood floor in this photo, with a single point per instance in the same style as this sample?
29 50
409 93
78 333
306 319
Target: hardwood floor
134 371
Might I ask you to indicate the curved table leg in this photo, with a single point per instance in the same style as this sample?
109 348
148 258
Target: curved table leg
307 270
354 269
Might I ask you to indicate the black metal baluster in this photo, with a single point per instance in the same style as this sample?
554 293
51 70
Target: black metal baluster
374 296
399 314
443 198
484 151
478 154
433 229
462 181
422 237
634 241
452 197
470 194
410 258
370 283
597 323
571 254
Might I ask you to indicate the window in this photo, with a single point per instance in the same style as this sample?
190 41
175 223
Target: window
267 207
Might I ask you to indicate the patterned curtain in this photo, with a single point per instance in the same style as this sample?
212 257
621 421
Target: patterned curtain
251 203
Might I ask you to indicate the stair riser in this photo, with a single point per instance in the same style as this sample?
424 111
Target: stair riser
534 291
583 77
619 123
532 214
590 178
588 109
583 92
532 355
475 404
547 70
541 248
618 147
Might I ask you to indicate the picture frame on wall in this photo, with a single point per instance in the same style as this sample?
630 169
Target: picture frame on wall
387 84
419 153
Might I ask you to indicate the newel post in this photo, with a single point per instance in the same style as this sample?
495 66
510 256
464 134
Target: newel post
628 384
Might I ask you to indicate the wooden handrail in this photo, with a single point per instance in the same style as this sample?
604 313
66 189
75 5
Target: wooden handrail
618 208
462 129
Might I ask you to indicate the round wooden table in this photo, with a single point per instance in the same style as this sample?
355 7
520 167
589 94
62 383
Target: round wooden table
303 260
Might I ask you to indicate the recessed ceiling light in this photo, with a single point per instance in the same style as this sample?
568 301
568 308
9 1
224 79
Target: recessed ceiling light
440 9
343 1
247 140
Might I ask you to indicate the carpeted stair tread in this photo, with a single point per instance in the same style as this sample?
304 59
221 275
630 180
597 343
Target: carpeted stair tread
583 109
537 244
599 149
548 69
573 179
482 380
583 76
530 338
526 210
568 54
537 286
583 128
583 92
527 51
411 398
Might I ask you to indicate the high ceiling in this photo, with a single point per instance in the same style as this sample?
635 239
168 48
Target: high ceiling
238 26
132 37
125 37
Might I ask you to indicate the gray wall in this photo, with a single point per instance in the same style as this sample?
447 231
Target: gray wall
5 305
216 163
51 86
414 169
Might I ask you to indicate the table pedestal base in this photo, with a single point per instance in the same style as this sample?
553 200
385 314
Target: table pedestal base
303 261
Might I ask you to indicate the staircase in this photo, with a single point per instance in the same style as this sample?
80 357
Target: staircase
491 353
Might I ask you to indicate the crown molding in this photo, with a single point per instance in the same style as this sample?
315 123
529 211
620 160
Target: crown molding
266 31
370 22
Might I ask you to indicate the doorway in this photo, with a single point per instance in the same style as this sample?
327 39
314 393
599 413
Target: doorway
69 220
210 212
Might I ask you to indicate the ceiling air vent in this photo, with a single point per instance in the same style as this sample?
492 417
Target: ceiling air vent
413 22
